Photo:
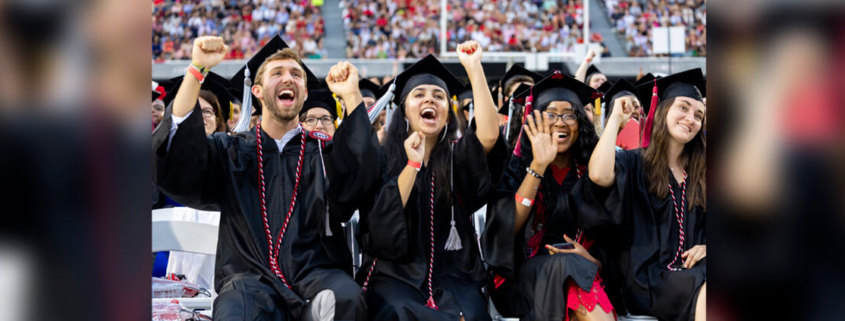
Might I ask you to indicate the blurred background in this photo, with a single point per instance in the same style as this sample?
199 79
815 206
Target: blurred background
74 140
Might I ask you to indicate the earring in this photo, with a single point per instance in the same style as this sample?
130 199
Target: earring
407 126
445 129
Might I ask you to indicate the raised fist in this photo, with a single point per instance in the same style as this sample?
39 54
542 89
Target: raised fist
209 51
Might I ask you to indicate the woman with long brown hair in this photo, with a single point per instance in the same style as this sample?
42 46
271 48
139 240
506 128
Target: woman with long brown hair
653 199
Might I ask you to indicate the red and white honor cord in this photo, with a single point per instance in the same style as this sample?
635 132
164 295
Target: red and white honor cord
274 254
430 302
679 215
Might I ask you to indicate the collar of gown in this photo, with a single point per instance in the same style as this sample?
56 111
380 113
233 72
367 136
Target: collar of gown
286 138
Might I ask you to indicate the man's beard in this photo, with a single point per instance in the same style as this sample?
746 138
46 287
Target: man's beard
282 114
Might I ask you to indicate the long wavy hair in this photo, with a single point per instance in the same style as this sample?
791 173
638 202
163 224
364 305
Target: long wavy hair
396 159
580 152
656 164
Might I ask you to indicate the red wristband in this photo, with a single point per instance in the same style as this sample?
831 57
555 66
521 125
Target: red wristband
523 200
589 60
415 165
197 74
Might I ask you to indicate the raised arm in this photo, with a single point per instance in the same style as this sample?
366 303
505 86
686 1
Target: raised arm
486 115
544 149
602 162
581 73
207 52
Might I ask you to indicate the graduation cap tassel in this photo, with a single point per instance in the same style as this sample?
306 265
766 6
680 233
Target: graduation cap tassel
510 115
387 115
529 104
382 103
649 121
453 243
246 107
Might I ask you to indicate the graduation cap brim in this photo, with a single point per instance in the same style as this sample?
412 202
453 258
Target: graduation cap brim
320 99
369 88
559 87
213 84
517 70
619 86
517 100
683 84
426 71
274 45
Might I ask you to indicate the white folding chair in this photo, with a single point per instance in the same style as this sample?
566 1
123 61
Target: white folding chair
192 237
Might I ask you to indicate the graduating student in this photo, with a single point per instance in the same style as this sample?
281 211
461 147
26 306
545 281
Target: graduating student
515 77
319 112
422 260
656 197
532 279
622 89
281 253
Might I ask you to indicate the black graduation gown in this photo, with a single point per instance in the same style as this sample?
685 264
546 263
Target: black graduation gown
400 238
534 288
220 172
648 240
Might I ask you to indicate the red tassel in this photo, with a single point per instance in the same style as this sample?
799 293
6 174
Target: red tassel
529 103
430 303
649 121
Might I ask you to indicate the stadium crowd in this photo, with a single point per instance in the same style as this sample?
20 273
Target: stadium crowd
634 20
246 24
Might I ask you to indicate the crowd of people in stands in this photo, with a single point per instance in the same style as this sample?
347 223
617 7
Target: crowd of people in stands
391 29
634 20
245 24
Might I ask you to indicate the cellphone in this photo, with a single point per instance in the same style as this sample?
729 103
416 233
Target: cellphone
564 246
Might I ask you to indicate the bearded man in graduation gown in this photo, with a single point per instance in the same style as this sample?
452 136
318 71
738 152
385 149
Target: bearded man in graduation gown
281 254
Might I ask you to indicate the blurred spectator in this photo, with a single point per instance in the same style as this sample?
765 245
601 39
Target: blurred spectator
507 25
634 20
391 29
246 25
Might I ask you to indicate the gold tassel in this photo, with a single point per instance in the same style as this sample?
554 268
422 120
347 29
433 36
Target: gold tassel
597 104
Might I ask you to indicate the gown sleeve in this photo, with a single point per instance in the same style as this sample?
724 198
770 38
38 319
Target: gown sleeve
477 174
191 171
598 207
353 165
389 222
497 240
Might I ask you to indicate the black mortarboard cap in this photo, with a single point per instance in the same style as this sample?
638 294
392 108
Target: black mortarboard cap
590 71
320 98
467 93
369 88
426 71
649 77
605 86
683 84
559 87
620 88
274 45
517 70
516 99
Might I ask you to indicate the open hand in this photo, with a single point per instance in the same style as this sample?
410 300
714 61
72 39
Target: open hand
539 132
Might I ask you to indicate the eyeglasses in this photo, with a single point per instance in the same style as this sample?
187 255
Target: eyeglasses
312 121
208 113
569 119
